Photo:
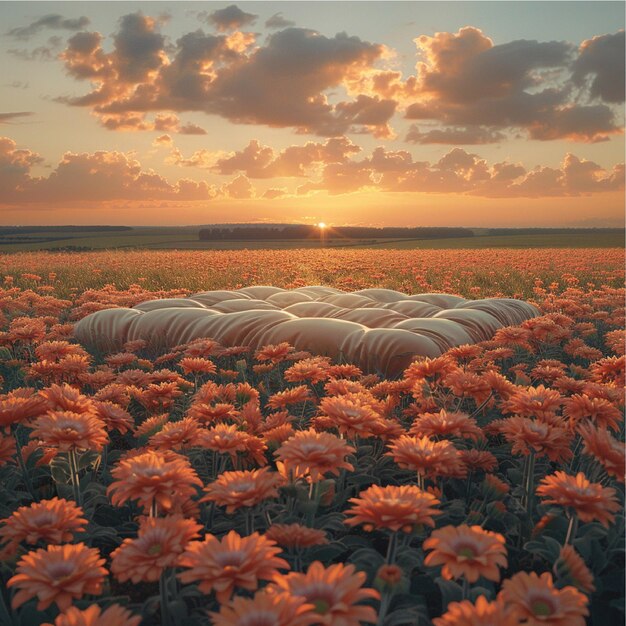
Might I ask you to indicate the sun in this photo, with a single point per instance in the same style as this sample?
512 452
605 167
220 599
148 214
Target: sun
321 225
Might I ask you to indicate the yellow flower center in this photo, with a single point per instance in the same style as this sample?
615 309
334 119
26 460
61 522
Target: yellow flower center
155 549
467 552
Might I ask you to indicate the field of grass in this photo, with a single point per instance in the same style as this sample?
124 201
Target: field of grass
186 238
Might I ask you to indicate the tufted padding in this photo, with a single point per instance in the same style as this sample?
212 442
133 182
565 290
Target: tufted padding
380 330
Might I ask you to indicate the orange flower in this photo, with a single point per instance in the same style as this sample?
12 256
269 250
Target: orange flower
20 405
151 425
607 450
590 501
314 370
52 521
191 365
479 460
467 384
296 536
314 455
571 567
274 353
67 431
160 542
430 368
296 395
483 613
334 591
266 609
58 574
446 424
466 551
535 600
232 562
238 489
534 402
115 615
352 414
426 457
153 478
66 398
223 438
540 437
403 508
176 435
113 416
601 412
8 449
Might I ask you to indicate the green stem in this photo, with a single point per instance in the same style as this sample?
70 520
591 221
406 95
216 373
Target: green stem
74 476
165 616
384 607
530 485
391 548
572 529
23 469
466 589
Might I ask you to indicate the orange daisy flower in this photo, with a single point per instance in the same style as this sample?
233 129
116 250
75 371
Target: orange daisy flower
426 457
571 567
274 353
115 615
66 430
313 455
535 600
234 490
466 551
232 562
403 508
479 460
176 435
151 425
296 395
542 438
600 411
335 592
191 365
314 370
296 536
534 402
8 449
51 521
160 542
66 398
590 501
440 367
58 575
483 613
467 384
113 416
224 439
21 405
153 478
607 450
446 424
266 609
352 414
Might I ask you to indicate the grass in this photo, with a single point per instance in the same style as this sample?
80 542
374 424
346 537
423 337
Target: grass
180 238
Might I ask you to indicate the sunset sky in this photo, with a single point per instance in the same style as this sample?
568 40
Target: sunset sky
364 113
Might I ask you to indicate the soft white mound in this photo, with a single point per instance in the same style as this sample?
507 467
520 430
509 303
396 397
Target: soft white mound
381 330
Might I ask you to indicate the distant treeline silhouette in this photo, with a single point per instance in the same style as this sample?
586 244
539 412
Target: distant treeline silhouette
553 231
340 232
18 230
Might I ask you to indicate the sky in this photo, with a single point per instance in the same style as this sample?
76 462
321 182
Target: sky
479 114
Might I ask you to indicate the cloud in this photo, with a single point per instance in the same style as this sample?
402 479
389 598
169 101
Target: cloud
7 118
461 172
239 189
191 129
48 52
465 80
87 178
601 60
229 18
53 21
278 21
283 83
275 192
458 136
257 161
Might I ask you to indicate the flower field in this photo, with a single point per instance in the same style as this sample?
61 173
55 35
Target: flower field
215 485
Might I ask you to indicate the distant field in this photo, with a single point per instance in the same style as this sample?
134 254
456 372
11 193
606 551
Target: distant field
187 239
